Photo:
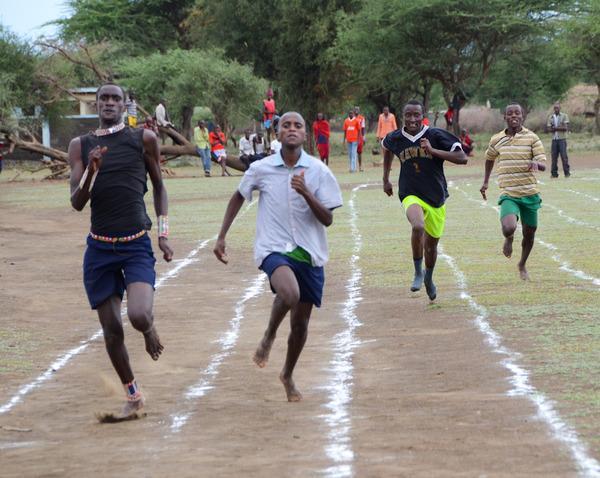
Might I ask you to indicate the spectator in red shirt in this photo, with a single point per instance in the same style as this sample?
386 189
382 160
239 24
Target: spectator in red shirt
321 134
467 143
217 142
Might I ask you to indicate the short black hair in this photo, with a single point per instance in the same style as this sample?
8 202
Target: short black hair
414 103
514 103
110 83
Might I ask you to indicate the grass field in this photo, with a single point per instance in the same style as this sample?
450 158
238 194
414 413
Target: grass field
552 321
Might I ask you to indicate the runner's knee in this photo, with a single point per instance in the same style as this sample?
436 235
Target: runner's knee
140 318
290 296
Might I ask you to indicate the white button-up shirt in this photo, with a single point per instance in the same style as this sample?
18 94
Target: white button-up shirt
284 219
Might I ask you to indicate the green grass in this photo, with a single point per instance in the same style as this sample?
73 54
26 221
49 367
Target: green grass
552 321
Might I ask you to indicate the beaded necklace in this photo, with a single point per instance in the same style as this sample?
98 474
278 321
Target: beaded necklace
111 130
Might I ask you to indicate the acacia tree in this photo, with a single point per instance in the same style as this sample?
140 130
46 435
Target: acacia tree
452 42
188 78
136 26
581 43
532 73
285 42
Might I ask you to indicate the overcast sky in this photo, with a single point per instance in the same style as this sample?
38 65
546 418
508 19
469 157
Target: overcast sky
26 17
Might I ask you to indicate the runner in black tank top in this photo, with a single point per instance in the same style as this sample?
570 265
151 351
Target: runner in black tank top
109 167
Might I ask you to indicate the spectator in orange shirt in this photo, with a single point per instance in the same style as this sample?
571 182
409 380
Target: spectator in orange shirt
386 124
217 141
268 114
351 137
362 136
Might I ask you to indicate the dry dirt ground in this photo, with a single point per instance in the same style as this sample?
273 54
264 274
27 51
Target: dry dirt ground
424 396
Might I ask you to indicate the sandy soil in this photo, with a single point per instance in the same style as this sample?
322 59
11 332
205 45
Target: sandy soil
428 397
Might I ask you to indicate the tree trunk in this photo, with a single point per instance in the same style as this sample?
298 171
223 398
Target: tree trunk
597 112
186 120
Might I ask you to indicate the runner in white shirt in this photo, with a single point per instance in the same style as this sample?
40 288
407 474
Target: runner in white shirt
297 196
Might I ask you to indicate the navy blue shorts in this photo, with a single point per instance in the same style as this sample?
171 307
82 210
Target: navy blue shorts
109 268
310 279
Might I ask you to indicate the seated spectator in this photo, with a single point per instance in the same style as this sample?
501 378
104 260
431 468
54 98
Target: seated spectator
467 143
259 144
246 148
150 124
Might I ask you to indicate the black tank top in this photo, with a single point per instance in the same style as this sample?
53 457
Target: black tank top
117 198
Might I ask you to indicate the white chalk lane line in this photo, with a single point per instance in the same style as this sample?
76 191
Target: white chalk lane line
519 379
227 341
66 357
563 264
341 367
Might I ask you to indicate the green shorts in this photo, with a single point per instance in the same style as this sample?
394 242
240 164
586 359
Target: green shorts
435 217
525 208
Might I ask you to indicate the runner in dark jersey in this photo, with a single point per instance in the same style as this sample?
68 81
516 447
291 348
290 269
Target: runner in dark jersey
109 168
422 185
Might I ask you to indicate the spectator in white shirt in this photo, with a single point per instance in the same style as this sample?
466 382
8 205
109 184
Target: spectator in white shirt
298 194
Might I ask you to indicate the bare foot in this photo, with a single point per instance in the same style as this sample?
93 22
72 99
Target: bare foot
523 272
507 248
153 345
261 356
293 395
131 411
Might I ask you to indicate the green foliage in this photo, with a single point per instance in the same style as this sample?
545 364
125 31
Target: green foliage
188 78
400 48
285 42
18 86
138 26
533 73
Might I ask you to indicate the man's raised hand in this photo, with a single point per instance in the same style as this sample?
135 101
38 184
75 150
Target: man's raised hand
95 157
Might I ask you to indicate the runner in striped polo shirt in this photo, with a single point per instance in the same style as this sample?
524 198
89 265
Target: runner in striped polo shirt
519 153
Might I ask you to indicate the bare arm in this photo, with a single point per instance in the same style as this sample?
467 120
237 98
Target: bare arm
489 166
233 208
388 157
323 214
81 177
159 192
456 157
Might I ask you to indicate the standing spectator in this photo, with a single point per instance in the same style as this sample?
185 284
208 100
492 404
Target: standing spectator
162 118
321 134
131 106
467 143
268 113
449 117
351 135
201 138
558 123
361 137
217 147
386 124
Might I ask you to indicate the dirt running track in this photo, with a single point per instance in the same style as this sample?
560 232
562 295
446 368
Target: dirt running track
428 397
